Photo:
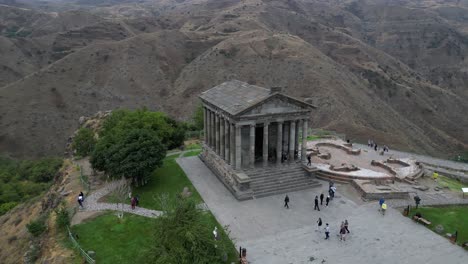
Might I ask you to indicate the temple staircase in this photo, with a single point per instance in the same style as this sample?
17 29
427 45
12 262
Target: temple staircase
277 179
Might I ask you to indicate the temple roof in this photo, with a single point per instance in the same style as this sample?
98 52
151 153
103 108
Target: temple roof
235 96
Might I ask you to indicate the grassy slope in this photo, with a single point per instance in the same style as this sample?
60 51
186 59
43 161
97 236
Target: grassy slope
451 218
169 179
125 241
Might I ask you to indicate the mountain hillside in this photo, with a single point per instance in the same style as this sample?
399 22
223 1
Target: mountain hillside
393 71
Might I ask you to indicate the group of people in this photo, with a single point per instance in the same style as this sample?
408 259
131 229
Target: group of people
330 196
372 144
343 229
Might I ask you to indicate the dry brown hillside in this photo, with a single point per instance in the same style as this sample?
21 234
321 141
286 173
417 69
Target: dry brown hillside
394 71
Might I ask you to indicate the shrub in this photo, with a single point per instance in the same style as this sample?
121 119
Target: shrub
84 142
37 227
7 207
63 218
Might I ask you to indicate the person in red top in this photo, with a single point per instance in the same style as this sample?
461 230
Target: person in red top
133 202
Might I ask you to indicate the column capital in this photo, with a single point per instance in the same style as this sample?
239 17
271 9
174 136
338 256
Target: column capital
252 125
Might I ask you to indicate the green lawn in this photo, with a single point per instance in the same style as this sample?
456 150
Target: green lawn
126 241
170 179
114 241
192 153
452 184
313 137
451 218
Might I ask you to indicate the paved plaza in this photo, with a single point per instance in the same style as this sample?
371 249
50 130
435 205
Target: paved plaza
273 234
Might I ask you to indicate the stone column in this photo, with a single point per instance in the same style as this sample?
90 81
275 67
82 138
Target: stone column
217 133
232 144
238 147
265 143
226 140
213 130
292 134
252 146
304 140
279 143
211 117
208 116
205 125
221 137
296 137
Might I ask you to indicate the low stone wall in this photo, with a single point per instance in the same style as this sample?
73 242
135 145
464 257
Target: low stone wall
237 183
397 161
347 149
376 195
384 166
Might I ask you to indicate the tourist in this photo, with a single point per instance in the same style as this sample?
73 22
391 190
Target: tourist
82 196
333 189
80 200
330 193
327 200
417 200
381 201
316 207
321 198
384 208
346 224
319 224
327 231
375 147
137 200
286 201
309 160
342 233
133 202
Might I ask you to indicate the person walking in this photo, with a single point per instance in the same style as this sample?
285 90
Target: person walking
80 200
309 160
316 207
384 208
319 224
286 201
375 147
346 224
137 200
321 198
82 196
333 191
343 234
381 201
327 200
133 202
417 200
327 231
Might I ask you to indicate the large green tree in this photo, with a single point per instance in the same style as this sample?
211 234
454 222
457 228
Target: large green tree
182 236
84 141
170 132
133 154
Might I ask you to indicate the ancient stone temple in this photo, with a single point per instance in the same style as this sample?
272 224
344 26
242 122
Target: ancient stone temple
254 139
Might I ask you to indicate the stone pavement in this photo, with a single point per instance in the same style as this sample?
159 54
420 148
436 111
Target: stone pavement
91 203
273 234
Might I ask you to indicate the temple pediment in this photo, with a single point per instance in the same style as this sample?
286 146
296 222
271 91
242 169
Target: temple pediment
274 105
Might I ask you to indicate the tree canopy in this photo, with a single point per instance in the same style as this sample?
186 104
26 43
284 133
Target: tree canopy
169 131
132 154
83 142
181 236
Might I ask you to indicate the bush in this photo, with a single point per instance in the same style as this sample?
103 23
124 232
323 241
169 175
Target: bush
84 142
4 208
37 227
63 218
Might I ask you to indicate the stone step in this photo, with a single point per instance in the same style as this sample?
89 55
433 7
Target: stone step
277 176
287 189
279 179
334 178
270 185
264 184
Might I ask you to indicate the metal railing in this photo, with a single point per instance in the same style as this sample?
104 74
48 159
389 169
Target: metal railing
85 255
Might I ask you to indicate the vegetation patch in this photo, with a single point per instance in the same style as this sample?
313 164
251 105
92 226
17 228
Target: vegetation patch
452 219
22 180
452 184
